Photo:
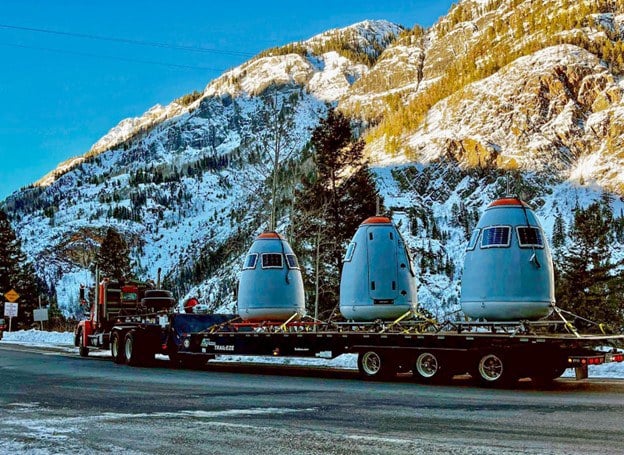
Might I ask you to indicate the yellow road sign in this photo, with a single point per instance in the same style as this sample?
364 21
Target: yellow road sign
12 296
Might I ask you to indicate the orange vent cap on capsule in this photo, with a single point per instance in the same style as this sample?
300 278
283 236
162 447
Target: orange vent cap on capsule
508 201
377 220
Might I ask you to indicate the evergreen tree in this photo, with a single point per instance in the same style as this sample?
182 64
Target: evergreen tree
559 232
17 273
332 202
113 258
589 283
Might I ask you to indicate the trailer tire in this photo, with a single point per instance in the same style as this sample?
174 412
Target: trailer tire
117 348
132 349
375 365
495 370
428 369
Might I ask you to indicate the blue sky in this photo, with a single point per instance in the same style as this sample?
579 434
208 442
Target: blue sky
60 93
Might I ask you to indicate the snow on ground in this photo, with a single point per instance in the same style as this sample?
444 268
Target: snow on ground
39 337
65 340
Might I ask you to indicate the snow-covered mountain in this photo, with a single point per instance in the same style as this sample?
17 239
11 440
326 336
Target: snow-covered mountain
532 88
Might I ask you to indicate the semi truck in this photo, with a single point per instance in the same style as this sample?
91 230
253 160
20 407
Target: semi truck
113 302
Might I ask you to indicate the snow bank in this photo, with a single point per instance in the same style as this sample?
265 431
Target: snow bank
39 337
345 361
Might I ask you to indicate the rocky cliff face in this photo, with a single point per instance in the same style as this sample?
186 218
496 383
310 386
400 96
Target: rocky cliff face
497 88
507 83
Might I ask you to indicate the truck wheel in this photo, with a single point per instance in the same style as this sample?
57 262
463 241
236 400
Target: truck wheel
493 369
374 365
117 349
131 349
428 369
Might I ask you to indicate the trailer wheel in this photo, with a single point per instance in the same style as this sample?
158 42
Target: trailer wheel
494 369
428 369
374 365
117 349
131 349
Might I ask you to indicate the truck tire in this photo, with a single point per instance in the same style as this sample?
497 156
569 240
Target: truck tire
117 348
132 349
494 369
428 369
375 365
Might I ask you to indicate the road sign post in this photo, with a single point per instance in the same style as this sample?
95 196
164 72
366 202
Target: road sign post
40 315
10 311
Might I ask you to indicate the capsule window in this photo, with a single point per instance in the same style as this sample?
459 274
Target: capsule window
530 237
272 261
350 251
250 261
496 237
473 240
291 259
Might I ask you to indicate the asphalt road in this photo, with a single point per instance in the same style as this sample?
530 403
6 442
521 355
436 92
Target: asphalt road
57 403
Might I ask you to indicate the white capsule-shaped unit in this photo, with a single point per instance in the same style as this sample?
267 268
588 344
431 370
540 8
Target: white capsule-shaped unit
378 280
270 286
508 270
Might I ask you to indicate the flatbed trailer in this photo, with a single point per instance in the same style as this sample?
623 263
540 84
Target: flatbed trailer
493 354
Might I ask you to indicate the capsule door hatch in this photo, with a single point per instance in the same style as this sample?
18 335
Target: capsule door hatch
382 264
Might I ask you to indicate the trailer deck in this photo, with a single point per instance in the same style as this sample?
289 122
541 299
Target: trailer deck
492 352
